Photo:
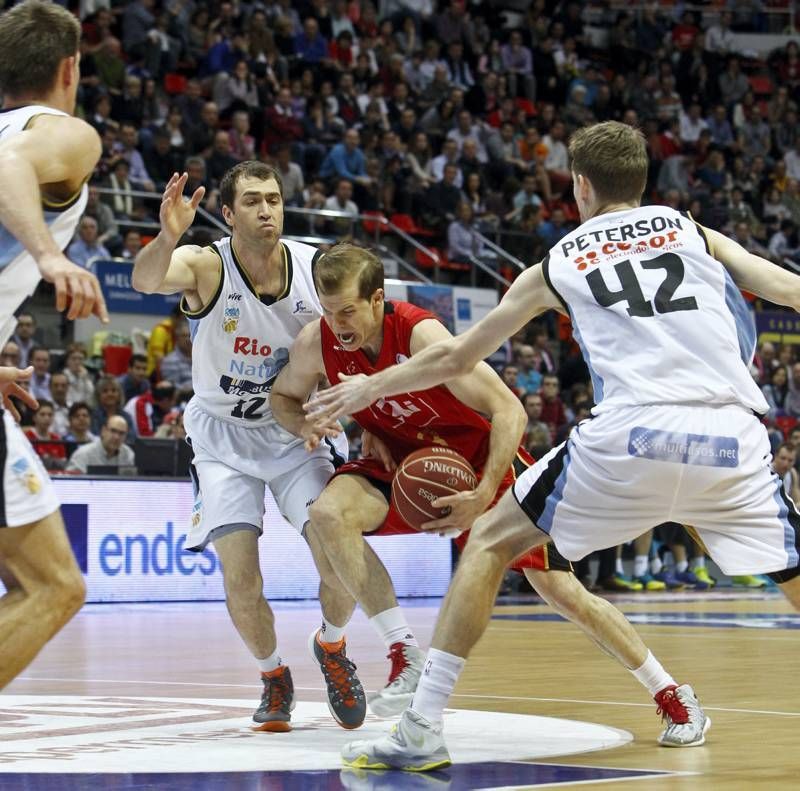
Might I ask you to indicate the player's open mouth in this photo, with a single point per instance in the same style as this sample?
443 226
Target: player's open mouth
347 337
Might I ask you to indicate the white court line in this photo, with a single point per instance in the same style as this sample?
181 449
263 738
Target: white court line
454 695
725 631
655 774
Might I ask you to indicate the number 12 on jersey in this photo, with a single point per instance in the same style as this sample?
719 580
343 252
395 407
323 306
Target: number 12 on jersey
631 291
249 412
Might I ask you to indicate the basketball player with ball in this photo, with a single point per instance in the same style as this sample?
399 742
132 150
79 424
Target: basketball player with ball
445 429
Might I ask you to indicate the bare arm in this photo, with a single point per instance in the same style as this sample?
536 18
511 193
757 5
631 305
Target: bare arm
482 390
160 268
296 381
61 152
448 359
753 273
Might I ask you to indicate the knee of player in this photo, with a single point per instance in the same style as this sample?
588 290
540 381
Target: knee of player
487 535
242 587
326 514
561 591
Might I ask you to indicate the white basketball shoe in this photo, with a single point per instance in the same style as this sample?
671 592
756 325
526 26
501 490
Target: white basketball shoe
414 745
395 697
686 721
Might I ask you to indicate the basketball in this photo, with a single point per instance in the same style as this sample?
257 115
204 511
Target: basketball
425 475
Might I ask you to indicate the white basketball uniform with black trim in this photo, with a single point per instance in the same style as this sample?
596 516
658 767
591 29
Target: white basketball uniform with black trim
27 494
240 344
668 339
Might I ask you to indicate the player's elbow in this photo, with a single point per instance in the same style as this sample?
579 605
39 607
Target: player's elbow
458 359
142 283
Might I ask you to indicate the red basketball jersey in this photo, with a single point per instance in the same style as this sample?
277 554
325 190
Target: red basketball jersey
409 421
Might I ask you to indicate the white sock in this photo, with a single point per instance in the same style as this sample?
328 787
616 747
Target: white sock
681 566
392 627
652 676
656 564
700 563
619 568
640 565
330 633
272 662
436 683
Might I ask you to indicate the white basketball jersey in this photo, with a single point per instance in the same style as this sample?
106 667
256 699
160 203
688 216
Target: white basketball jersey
241 341
19 274
658 319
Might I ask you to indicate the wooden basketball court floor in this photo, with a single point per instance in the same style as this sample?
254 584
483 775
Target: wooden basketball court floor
738 649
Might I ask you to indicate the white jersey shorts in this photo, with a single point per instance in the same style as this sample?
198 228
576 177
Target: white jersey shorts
27 494
233 465
627 470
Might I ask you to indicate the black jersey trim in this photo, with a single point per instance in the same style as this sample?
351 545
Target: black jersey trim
288 268
206 309
700 230
546 273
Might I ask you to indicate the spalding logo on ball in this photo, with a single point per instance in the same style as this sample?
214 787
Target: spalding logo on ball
424 476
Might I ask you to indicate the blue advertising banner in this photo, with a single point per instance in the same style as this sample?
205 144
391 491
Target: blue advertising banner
121 297
143 556
777 326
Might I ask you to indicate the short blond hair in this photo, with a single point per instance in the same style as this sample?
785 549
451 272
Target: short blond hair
345 263
613 156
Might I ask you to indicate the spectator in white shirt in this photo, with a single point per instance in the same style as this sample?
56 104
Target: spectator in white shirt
449 156
467 130
81 384
108 451
557 161
462 243
719 37
59 386
341 200
792 161
692 124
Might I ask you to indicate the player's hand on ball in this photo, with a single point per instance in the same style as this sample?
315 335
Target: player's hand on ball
351 395
376 448
465 508
9 378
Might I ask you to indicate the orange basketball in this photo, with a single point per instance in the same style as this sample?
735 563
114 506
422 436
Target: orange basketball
425 475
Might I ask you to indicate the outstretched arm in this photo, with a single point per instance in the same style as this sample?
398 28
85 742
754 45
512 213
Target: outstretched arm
298 379
528 297
753 273
55 150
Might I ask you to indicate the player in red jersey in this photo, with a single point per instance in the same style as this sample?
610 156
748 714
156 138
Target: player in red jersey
362 333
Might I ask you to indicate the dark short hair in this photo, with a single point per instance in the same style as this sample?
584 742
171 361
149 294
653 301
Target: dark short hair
38 349
163 390
76 407
346 263
783 446
35 37
43 402
137 358
249 169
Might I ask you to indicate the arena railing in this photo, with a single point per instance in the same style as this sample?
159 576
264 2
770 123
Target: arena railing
377 224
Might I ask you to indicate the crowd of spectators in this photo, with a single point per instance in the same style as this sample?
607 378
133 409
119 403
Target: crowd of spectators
453 116
89 418
414 107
